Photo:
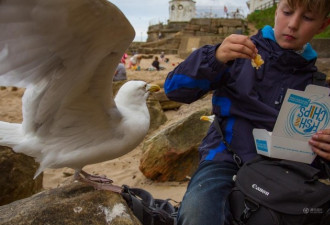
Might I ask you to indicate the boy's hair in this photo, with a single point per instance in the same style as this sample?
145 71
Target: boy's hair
320 6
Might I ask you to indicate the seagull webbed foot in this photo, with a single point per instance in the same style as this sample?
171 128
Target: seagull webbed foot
98 182
94 178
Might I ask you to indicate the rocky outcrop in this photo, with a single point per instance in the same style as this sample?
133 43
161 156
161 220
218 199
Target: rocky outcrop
16 176
157 115
172 153
74 204
165 103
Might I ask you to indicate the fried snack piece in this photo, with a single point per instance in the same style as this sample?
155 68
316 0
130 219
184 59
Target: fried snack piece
257 61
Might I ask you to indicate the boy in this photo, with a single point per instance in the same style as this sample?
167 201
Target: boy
245 98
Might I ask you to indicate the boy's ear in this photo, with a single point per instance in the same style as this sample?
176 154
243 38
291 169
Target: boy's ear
325 24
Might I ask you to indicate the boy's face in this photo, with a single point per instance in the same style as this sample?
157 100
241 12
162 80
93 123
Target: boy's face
295 27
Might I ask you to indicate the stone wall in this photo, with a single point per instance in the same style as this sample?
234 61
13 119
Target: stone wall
216 26
168 45
198 27
190 43
160 31
182 38
205 31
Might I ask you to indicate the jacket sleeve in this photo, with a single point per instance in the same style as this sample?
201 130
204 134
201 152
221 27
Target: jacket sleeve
200 73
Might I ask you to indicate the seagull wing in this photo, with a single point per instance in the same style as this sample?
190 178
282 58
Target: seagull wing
64 52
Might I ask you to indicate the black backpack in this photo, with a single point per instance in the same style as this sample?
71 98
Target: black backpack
279 192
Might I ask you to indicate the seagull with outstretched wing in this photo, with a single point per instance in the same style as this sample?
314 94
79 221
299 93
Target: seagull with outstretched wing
65 52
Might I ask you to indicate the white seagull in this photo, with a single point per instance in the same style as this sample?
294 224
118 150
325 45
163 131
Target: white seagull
65 52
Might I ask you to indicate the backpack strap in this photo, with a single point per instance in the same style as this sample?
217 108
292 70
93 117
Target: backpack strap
138 200
325 167
236 157
166 212
148 210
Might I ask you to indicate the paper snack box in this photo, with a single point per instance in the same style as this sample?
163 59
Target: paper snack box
302 114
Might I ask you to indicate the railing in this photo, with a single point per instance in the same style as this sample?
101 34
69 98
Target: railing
267 5
218 12
157 21
209 12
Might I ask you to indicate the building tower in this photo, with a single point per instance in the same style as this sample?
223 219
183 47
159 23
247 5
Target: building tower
182 10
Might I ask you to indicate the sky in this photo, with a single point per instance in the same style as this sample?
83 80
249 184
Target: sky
142 13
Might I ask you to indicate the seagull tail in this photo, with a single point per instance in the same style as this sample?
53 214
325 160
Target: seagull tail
10 134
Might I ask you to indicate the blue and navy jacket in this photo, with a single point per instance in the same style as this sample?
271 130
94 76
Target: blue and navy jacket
243 97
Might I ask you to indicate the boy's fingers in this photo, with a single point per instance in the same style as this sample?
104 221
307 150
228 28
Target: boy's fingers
243 50
326 132
321 146
230 54
322 136
323 154
320 143
242 44
236 46
244 41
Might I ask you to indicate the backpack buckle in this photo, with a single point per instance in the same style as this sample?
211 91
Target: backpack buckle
250 207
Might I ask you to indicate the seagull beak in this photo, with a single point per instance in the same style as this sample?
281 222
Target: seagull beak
207 118
153 87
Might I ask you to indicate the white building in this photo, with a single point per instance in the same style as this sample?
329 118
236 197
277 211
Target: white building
260 4
182 10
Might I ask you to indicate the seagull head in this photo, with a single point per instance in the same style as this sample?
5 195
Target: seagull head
135 91
208 118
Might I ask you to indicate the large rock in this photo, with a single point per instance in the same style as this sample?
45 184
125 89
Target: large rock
74 204
172 154
157 115
16 176
165 103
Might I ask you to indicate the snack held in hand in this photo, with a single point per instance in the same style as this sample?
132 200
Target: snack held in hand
257 61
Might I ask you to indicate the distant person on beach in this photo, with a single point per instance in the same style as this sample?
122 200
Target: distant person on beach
134 61
120 73
162 56
123 58
155 63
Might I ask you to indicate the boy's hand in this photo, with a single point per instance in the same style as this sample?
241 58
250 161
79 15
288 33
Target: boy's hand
236 46
320 143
